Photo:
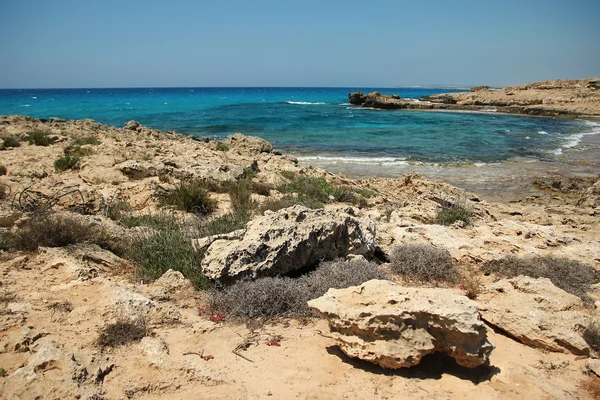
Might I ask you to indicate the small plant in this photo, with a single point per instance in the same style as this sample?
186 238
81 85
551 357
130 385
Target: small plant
452 212
250 173
39 138
115 210
471 285
158 252
3 373
121 333
51 230
591 335
10 141
222 147
86 140
77 151
277 204
288 175
3 170
368 193
313 192
65 163
159 221
424 263
191 197
227 223
570 275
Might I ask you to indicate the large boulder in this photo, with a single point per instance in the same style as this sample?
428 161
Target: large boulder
395 326
356 98
287 240
537 313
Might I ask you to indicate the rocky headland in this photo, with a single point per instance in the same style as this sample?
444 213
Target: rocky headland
140 264
558 98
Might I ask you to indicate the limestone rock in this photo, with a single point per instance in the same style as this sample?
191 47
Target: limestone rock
537 313
287 240
132 125
593 365
249 144
395 326
356 98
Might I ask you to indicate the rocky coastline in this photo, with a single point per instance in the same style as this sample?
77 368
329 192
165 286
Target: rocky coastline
558 98
507 306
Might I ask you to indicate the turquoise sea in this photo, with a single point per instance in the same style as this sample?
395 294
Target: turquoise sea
318 125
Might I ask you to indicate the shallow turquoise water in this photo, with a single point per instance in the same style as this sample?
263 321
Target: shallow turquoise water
316 124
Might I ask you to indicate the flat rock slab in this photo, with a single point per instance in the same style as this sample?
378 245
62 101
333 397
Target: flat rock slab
537 313
395 326
287 240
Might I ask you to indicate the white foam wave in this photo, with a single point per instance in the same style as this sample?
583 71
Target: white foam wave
387 161
345 104
34 97
542 133
305 103
25 105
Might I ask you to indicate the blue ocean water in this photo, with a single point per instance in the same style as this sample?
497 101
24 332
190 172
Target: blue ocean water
315 124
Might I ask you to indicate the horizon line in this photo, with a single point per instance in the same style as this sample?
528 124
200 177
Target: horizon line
429 86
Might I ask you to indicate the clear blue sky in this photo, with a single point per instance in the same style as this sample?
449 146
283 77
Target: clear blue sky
130 43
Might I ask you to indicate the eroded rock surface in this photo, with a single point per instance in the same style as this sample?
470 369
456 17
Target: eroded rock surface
537 313
395 326
287 240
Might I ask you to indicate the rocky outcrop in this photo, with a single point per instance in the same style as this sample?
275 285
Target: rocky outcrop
537 313
288 240
570 98
395 326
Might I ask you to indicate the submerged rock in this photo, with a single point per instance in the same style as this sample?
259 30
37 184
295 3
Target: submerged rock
285 241
395 326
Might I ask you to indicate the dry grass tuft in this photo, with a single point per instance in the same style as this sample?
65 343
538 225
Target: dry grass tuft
121 333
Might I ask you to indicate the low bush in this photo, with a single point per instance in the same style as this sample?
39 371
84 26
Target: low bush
51 230
10 141
39 138
368 193
121 333
222 147
288 175
449 214
274 297
570 275
227 223
156 253
191 196
77 151
277 204
116 209
591 335
425 263
314 192
65 163
159 221
3 170
86 140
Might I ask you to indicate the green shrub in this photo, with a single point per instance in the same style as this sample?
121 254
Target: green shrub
227 223
116 210
77 151
191 197
288 175
51 230
273 297
3 170
570 275
368 193
158 252
421 262
10 141
39 138
159 221
86 140
250 172
277 204
222 147
313 192
449 214
122 333
261 188
65 163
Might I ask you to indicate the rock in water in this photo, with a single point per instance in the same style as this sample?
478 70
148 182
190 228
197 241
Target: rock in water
537 313
287 240
395 326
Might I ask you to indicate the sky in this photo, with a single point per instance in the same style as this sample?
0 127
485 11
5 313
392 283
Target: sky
324 43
